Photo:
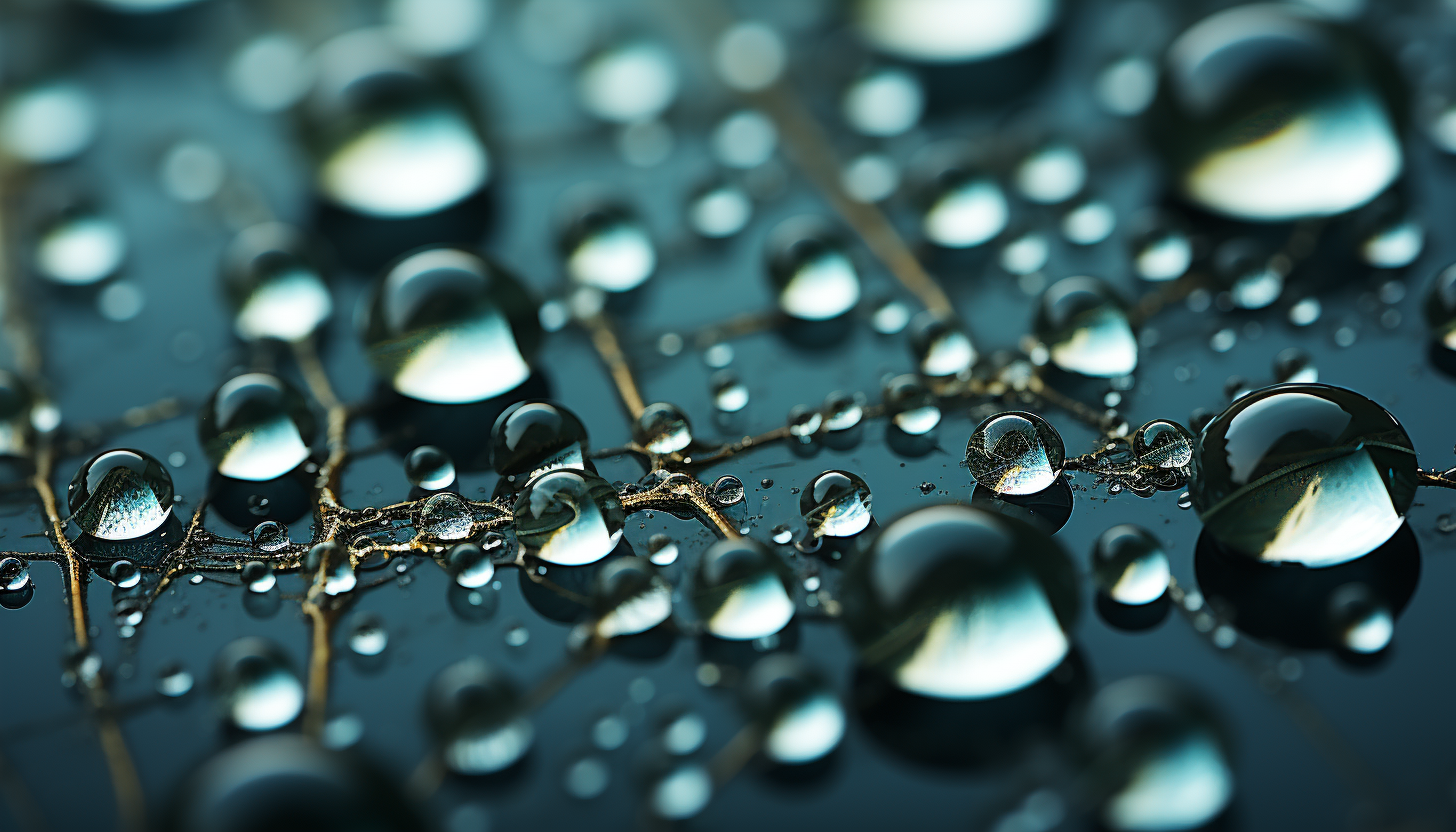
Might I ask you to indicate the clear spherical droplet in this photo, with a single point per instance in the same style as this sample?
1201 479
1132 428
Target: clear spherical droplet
886 101
627 83
941 348
811 271
258 577
730 394
124 574
14 574
120 495
662 550
429 468
629 597
727 490
912 407
446 516
569 517
741 591
274 283
836 504
1052 174
1359 620
1015 453
965 211
662 429
1130 565
256 427
1163 443
1085 328
1161 250
368 637
607 247
535 436
470 565
842 411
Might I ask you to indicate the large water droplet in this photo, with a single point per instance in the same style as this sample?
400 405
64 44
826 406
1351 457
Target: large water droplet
1304 473
630 597
569 517
120 495
836 504
535 436
1085 328
954 602
741 591
797 710
255 685
1015 453
1272 113
952 31
275 284
475 713
811 270
14 574
1130 565
256 427
662 429
445 326
607 247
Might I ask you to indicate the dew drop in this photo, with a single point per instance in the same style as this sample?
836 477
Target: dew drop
476 716
804 422
270 536
836 504
947 31
174 681
429 468
719 210
885 101
1161 250
801 718
1015 453
1051 175
256 427
254 684
607 247
730 394
630 82
1295 366
662 429
966 211
120 495
662 550
470 565
274 283
368 638
842 411
15 574
80 246
1130 565
630 597
1360 621
811 271
258 576
1163 444
536 436
446 516
569 517
912 407
941 348
1085 329
682 793
124 574
741 591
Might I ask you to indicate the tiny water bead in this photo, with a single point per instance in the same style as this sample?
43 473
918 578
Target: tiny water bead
475 713
1272 113
836 504
801 718
256 427
727 490
14 574
607 247
1359 620
569 517
275 284
965 211
954 602
1303 473
951 31
913 408
811 271
1164 444
255 685
446 516
804 422
470 565
1167 754
535 436
1085 328
1015 453
1161 250
1130 565
429 468
124 574
730 394
741 591
368 637
630 597
842 411
258 576
443 325
79 246
662 428
120 495
940 347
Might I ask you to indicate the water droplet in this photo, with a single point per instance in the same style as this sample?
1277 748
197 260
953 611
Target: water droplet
79 246
429 468
727 490
891 317
1272 113
750 56
536 436
274 283
1163 443
587 778
662 550
569 517
955 602
258 576
254 683
842 411
1026 254
607 247
1172 769
627 83
662 429
1360 621
1304 473
124 574
270 536
629 597
682 793
1015 453
836 504
684 734
15 574
730 394
1053 174
1295 366
256 427
173 681
870 177
470 565
390 140
742 591
966 210
445 326
368 638
810 269
339 576
1161 249
1085 328
912 407
446 516
719 210
797 710
941 348
941 32
1130 565
1305 312
49 122
1394 243
886 101
476 715
745 140
1126 87
804 422
120 495
269 73
782 534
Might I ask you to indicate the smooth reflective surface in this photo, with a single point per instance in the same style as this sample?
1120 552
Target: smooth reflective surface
256 427
662 429
1015 453
120 495
569 517
1163 444
1130 565
811 271
630 597
607 247
535 436
836 504
741 590
80 246
1085 329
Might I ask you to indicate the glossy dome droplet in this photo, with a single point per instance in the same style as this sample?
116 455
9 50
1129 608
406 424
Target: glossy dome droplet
795 707
1163 444
912 407
630 597
955 602
965 211
811 270
475 714
80 246
836 504
1161 249
607 247
275 284
1359 620
1015 453
630 82
941 348
1085 328
1130 565
951 31
662 429
429 468
445 326
742 591
446 516
1272 113
1303 473
120 495
1440 307
255 685
535 436
569 517
256 427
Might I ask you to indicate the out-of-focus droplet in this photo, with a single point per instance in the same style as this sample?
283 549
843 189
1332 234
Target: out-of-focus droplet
912 407
274 283
750 56
811 270
476 715
741 591
1130 565
1303 473
269 73
1126 86
436 28
662 429
120 495
730 394
1161 249
255 685
429 468
681 793
256 427
836 504
662 550
607 247
368 636
952 31
629 597
1052 174
719 210
535 436
47 123
1015 453
470 565
79 246
569 517
1085 328
1360 621
445 326
886 101
842 411
630 82
1295 366
795 707
1394 243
